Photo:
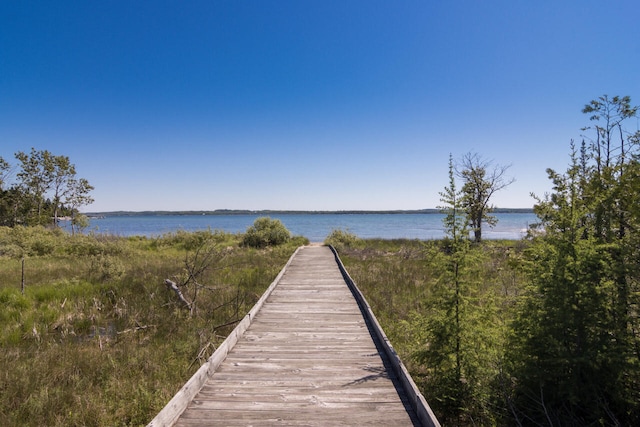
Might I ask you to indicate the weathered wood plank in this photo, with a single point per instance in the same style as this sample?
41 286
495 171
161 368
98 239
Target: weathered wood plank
319 417
308 357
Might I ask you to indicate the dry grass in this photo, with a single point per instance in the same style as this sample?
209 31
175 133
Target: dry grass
402 280
97 339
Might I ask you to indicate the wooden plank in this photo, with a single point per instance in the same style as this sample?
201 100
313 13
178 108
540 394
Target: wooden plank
340 358
417 400
319 417
308 357
177 405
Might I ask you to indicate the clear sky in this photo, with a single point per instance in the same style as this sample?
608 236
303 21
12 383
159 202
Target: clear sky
306 105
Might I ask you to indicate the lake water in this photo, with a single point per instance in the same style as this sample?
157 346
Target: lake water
316 227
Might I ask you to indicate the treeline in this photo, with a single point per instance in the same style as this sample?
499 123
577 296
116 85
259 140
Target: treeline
40 189
288 212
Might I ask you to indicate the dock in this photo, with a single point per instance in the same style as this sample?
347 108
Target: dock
309 353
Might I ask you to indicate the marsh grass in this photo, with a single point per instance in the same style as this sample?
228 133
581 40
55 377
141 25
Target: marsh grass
402 281
97 339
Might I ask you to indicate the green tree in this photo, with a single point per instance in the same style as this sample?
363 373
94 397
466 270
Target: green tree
35 180
77 195
575 342
62 178
611 189
47 185
5 167
612 148
559 352
7 196
445 327
481 180
455 221
458 323
13 210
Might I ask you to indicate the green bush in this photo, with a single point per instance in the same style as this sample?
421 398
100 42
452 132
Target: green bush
299 241
11 251
266 232
341 239
29 241
107 267
92 246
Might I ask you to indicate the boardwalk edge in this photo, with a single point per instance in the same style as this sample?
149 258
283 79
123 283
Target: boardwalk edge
177 405
418 402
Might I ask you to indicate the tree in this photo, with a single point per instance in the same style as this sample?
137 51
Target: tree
560 352
7 196
62 182
481 180
458 324
35 180
576 342
77 195
13 210
446 352
46 187
611 150
611 190
205 254
455 220
4 170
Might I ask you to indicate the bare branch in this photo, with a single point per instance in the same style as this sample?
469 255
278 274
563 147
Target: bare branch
174 287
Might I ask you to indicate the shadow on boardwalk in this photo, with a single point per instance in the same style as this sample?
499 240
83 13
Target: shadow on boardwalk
305 356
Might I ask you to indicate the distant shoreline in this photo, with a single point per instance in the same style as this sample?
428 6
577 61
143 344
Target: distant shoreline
287 212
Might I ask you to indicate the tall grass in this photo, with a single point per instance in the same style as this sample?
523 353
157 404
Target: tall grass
97 339
401 278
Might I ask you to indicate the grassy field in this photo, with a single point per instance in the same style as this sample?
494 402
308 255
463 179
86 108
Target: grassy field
97 338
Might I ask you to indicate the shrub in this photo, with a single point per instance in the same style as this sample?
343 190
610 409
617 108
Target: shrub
299 241
92 245
107 267
341 239
11 251
266 232
20 241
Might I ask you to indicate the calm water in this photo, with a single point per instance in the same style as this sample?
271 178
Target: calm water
313 226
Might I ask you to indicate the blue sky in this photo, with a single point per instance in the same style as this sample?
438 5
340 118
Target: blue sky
306 105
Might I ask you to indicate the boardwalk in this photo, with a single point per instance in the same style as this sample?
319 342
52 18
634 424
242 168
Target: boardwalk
308 357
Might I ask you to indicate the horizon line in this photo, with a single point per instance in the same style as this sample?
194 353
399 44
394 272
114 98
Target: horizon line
290 211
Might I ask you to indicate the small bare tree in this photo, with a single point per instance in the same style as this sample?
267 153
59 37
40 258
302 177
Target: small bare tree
218 305
481 180
205 255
